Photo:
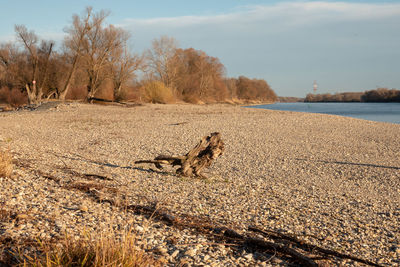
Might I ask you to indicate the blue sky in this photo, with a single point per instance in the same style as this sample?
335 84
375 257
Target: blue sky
343 45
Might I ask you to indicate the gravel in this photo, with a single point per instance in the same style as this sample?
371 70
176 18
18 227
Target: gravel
331 181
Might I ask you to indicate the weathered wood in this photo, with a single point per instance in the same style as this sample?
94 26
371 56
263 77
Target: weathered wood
196 160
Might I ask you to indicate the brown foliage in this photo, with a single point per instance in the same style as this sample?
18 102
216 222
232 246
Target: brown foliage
133 93
254 89
200 76
76 93
13 97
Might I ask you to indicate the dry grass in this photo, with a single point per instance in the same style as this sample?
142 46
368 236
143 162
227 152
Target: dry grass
6 166
106 251
158 92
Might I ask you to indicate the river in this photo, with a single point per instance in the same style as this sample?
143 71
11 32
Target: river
385 112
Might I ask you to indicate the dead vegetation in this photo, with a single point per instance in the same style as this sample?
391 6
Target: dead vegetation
6 165
108 250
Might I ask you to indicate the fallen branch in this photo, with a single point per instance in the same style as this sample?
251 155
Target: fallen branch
309 247
200 157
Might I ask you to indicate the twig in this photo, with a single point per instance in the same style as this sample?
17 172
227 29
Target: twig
310 247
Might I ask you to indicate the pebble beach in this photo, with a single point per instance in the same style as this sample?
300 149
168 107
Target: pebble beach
328 180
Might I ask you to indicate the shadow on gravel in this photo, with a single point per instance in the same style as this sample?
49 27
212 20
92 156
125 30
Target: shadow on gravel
106 164
351 163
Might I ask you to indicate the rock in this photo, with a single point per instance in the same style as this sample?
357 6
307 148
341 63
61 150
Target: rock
276 260
248 256
175 253
22 216
162 250
191 252
139 228
83 208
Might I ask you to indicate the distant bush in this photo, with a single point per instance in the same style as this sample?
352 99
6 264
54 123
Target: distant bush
253 89
382 95
338 97
290 99
199 77
378 95
157 92
6 166
13 97
76 93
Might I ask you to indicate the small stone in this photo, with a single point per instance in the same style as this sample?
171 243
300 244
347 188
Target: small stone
175 253
22 216
396 249
276 260
139 228
248 256
191 252
83 208
162 251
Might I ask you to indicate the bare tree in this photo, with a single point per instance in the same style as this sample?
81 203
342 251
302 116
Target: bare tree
100 51
200 76
101 44
160 60
74 43
38 58
123 68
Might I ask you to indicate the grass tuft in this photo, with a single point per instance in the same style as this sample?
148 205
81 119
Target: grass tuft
106 251
6 166
158 92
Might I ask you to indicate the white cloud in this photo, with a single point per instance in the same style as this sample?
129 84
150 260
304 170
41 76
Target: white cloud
287 13
345 46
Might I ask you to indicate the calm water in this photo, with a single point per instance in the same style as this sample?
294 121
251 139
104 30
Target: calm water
387 112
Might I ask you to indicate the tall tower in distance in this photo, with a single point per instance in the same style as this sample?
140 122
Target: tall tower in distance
315 86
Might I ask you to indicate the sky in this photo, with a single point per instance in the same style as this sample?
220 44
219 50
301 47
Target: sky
343 45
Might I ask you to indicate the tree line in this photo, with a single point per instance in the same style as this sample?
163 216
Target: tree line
376 95
95 61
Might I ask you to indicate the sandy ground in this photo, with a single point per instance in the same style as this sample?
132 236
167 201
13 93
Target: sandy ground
329 180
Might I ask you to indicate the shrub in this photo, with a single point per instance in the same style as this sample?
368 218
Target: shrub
6 166
14 97
157 92
76 93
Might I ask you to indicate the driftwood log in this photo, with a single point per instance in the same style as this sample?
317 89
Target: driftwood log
196 160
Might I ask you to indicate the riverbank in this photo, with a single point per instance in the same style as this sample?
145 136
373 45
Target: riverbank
331 181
